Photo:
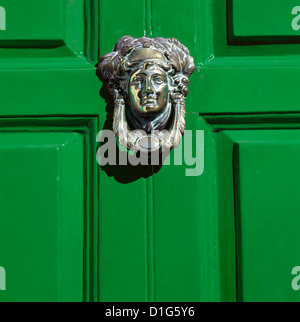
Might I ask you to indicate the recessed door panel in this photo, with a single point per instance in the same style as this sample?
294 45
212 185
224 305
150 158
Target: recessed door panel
264 18
42 216
267 189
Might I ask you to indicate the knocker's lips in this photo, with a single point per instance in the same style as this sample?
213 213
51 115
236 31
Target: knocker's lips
149 101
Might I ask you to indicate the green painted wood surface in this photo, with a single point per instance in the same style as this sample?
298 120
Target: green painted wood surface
49 237
267 213
147 234
257 187
272 18
41 216
40 20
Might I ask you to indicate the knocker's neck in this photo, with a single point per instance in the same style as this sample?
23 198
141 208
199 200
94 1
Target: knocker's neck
151 122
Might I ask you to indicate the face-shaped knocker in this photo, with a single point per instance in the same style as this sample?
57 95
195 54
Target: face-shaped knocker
149 80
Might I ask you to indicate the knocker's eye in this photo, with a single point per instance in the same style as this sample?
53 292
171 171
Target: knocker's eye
158 80
138 81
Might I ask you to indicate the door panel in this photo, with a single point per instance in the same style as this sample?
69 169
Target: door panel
257 191
49 112
267 27
48 210
41 21
41 217
267 191
190 243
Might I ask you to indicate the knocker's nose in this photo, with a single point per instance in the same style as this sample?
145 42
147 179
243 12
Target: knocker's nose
148 90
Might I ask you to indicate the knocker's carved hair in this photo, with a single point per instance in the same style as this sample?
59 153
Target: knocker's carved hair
115 68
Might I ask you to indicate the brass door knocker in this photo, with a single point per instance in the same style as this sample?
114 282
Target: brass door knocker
149 80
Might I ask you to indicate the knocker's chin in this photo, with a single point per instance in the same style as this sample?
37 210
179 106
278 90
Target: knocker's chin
150 121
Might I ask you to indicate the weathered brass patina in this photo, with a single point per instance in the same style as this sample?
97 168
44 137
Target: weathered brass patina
149 80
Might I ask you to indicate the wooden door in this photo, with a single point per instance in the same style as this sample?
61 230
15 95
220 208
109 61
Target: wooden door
76 231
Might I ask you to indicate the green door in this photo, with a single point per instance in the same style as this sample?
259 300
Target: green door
71 230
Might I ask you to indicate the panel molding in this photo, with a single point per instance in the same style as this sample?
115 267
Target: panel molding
87 127
219 123
229 132
77 47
